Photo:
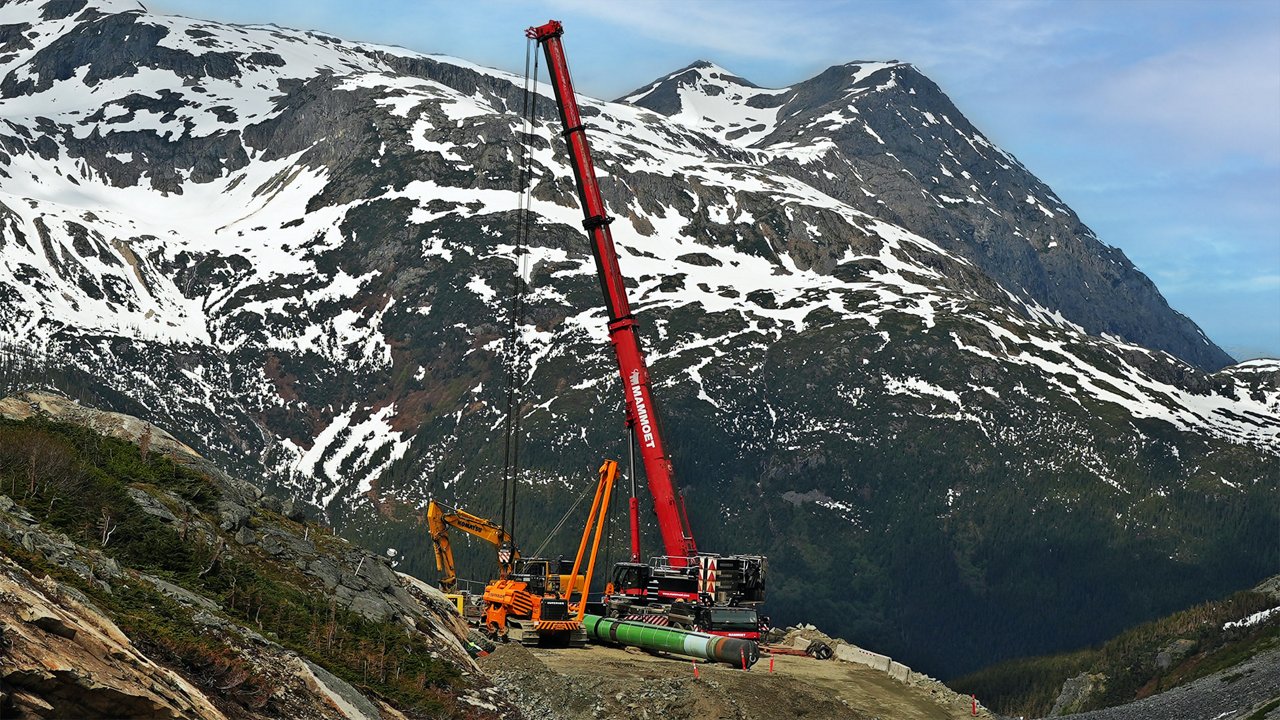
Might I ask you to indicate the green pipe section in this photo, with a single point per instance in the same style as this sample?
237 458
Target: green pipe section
733 651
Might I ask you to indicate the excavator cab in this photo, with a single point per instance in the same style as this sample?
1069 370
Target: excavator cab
546 576
538 574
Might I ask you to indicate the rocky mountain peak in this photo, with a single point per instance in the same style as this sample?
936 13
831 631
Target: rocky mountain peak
714 101
885 139
699 72
858 71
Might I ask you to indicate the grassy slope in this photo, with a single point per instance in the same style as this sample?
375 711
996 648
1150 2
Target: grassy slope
1029 686
76 481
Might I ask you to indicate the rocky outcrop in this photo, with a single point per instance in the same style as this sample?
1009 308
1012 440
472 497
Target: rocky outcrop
183 652
1076 692
1174 653
1246 690
63 657
117 425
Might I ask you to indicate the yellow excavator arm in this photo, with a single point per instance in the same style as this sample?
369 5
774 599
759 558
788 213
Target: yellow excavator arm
440 517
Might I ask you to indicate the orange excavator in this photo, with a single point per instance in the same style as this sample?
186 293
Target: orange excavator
534 601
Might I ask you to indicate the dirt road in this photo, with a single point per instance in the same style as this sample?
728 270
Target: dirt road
600 682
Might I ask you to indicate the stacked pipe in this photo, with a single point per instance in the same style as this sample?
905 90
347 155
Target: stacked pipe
734 651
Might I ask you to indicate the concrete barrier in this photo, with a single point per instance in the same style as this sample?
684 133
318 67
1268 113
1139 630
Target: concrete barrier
850 653
855 654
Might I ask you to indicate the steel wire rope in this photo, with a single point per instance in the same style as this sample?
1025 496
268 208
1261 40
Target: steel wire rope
515 347
564 518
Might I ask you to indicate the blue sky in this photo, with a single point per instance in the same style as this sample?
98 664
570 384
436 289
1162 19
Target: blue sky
1158 121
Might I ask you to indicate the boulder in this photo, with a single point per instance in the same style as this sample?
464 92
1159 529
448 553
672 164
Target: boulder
294 510
151 505
233 515
1075 692
245 536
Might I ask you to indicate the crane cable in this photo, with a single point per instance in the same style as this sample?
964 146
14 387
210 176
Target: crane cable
564 518
515 346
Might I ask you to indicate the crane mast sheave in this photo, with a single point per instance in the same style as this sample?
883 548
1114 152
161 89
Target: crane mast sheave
642 418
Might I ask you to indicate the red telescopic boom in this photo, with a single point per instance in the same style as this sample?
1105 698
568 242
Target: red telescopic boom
642 415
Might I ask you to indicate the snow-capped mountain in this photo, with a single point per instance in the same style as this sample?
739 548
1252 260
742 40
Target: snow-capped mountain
877 338
883 139
715 101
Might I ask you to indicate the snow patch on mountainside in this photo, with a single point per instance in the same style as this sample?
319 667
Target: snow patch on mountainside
720 104
1258 617
88 248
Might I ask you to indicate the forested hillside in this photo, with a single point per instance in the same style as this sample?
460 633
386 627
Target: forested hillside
1144 660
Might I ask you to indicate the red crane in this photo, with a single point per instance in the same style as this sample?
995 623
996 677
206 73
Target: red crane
642 416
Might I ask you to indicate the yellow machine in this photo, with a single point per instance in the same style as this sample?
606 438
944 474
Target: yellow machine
440 517
532 601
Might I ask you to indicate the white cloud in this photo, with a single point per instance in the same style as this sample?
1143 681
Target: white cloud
749 29
1219 96
837 31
